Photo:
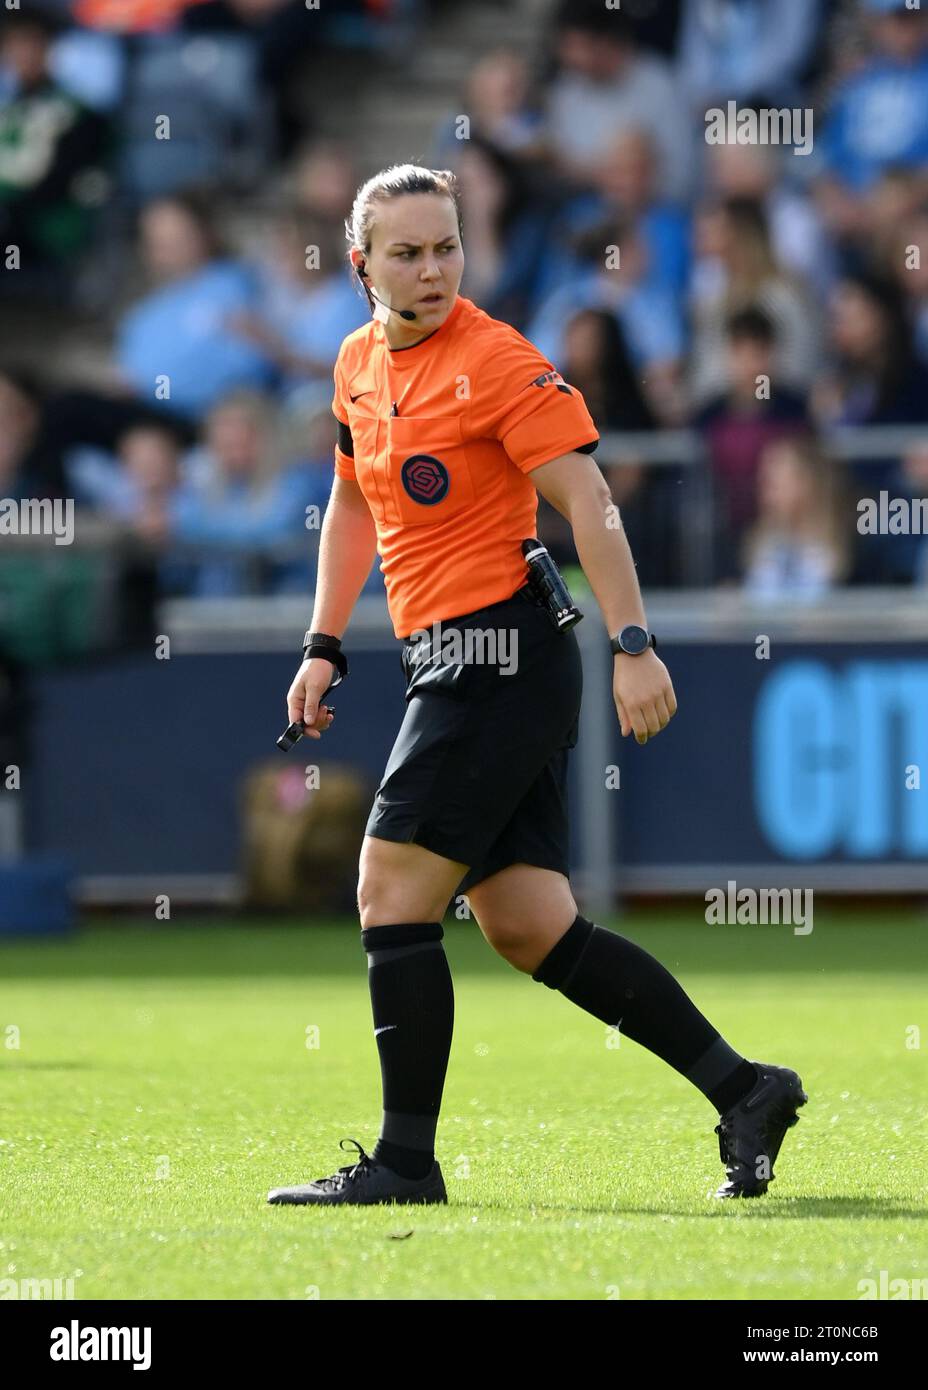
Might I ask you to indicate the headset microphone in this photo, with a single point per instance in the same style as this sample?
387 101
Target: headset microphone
403 313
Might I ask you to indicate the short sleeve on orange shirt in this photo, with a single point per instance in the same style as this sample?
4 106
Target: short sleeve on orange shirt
520 399
344 461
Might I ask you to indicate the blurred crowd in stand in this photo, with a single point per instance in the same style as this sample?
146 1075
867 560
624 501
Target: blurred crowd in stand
758 295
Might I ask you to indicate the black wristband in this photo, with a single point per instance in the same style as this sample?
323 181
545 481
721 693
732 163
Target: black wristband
321 638
337 658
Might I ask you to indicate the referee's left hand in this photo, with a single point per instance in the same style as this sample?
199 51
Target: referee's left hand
643 694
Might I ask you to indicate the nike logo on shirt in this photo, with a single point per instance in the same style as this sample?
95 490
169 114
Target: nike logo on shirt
385 1028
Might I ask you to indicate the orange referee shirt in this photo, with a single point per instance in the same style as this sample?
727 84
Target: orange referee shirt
131 16
441 437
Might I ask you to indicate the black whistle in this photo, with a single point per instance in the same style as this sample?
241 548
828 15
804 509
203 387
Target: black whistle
290 736
548 584
294 732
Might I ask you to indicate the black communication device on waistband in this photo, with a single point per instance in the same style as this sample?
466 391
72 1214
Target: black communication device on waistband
547 584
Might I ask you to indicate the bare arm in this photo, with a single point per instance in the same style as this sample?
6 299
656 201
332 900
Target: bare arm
575 487
347 546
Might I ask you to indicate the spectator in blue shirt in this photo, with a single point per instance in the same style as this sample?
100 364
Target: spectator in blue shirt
618 280
135 485
747 50
624 183
306 306
879 115
243 500
177 346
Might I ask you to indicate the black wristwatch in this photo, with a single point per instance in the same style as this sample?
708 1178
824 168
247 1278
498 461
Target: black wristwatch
323 644
633 640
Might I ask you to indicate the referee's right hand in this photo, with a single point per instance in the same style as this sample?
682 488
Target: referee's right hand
310 683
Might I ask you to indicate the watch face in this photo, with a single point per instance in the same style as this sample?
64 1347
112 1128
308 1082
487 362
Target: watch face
633 639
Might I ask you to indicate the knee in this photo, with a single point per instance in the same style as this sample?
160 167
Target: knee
367 899
392 893
555 943
523 945
379 897
374 886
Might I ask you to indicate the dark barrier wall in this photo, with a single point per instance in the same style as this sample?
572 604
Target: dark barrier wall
817 754
814 754
140 762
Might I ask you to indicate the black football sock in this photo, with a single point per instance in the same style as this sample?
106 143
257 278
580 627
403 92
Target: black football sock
412 999
621 984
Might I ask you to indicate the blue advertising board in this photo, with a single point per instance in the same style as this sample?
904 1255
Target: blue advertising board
816 755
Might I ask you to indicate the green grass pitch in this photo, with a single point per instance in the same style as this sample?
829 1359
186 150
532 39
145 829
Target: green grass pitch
162 1083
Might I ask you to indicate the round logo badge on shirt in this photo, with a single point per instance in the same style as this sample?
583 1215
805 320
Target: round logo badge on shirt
425 479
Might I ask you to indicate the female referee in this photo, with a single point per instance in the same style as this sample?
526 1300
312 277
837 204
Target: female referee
448 422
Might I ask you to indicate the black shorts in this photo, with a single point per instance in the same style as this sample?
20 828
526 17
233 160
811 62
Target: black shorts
478 772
